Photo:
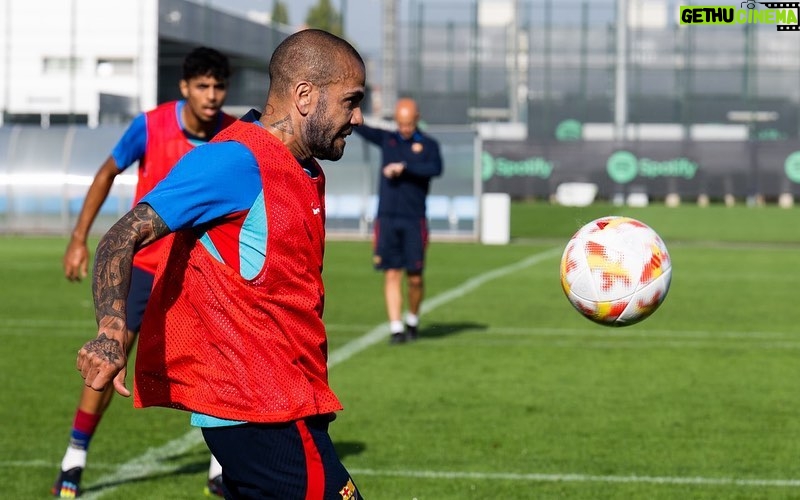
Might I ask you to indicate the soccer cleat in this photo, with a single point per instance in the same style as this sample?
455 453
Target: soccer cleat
214 487
411 333
397 338
68 483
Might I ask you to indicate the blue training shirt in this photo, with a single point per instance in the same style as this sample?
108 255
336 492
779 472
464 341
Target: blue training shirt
209 182
132 145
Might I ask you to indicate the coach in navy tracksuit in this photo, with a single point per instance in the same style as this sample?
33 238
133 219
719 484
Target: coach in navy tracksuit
409 160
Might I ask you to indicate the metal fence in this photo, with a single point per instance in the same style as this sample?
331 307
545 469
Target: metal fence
556 60
707 111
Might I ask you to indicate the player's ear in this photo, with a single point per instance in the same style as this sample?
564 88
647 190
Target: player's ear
184 86
304 97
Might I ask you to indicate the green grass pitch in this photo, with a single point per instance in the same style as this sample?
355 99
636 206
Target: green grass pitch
509 393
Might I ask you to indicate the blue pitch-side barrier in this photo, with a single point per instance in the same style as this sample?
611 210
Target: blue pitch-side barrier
45 173
54 205
446 214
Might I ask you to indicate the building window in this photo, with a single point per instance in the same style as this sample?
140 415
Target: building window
54 65
114 67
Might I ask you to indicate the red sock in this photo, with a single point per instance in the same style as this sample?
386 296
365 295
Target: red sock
86 422
83 428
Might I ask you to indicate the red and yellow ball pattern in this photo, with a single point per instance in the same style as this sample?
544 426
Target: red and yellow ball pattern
616 271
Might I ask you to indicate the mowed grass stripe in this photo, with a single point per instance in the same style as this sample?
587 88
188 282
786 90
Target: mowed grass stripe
602 337
635 332
49 328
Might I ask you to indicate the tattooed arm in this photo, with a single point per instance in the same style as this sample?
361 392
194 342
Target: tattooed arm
104 359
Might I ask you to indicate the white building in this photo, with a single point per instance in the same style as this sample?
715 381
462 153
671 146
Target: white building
92 61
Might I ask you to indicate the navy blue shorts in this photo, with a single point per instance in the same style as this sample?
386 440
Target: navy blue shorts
400 243
294 460
139 293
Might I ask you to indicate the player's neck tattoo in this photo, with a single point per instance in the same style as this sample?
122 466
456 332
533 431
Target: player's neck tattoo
284 125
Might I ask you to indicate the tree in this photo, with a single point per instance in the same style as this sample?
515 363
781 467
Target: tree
280 14
323 16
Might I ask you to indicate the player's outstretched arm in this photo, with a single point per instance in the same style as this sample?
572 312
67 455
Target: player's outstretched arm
76 257
104 359
370 134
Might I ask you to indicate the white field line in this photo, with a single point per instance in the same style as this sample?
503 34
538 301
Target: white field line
576 478
83 323
149 462
134 472
146 464
45 464
651 338
21 326
379 333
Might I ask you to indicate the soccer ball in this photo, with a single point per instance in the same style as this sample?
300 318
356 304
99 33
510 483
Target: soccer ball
616 271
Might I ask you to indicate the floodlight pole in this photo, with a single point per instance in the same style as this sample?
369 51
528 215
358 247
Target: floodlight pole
389 69
621 88
515 69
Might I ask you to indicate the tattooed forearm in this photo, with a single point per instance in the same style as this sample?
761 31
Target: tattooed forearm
105 348
112 268
284 125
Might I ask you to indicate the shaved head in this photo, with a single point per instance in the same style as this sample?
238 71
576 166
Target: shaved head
317 83
406 108
309 55
406 115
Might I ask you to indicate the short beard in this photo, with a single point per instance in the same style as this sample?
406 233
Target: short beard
320 137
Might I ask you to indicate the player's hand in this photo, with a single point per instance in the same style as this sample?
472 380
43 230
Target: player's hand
393 170
103 360
119 383
76 261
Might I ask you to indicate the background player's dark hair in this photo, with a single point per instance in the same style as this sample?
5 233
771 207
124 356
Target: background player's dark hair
205 61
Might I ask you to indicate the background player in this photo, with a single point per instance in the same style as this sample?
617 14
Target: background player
409 159
156 139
